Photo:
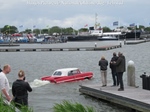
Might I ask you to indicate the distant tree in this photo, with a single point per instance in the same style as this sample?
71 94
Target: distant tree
130 28
121 27
83 30
69 30
37 31
141 27
28 31
147 29
7 29
106 29
44 31
55 29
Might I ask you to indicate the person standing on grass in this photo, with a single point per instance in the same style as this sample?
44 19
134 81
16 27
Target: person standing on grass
20 89
4 84
103 63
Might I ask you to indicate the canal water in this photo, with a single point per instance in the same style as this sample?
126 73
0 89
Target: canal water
37 64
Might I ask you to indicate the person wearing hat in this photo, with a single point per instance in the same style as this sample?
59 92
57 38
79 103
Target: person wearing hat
20 89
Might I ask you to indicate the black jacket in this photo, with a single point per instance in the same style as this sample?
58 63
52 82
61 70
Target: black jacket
113 66
0 70
103 64
20 90
121 64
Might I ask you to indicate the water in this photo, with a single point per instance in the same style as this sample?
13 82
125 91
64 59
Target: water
39 64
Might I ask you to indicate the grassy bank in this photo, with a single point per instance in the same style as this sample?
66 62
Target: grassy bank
5 107
65 106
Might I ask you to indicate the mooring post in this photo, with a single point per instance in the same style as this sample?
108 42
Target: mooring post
120 44
95 44
124 41
131 74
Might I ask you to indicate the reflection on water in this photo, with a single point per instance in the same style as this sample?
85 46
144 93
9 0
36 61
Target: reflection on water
38 64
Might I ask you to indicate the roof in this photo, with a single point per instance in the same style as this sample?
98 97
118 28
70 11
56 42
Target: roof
66 69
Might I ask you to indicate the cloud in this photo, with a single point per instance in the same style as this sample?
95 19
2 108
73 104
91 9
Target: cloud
77 21
67 14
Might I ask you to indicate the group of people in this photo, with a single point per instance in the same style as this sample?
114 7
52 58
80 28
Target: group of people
20 87
117 66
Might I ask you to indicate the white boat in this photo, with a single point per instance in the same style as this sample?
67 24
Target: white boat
107 38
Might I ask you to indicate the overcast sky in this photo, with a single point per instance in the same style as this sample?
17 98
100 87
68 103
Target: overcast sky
73 13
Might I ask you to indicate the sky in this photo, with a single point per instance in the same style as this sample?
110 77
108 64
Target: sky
73 13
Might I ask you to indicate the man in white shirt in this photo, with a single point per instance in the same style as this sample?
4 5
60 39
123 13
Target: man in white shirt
4 84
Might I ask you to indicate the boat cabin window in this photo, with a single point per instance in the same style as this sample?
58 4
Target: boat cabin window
57 73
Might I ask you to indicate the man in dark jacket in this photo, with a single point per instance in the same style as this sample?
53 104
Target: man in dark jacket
113 70
103 63
120 69
20 90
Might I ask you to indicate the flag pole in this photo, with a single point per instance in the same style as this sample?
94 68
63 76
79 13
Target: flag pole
119 28
135 32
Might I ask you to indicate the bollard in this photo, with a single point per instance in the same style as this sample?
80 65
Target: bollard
148 84
131 74
124 41
145 39
95 44
120 44
144 81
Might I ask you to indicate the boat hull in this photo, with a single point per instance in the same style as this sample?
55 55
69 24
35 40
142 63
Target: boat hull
82 38
111 38
129 35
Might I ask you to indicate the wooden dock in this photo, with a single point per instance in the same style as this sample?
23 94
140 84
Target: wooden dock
134 42
103 48
134 98
9 45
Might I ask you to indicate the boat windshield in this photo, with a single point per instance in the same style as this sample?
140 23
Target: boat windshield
58 73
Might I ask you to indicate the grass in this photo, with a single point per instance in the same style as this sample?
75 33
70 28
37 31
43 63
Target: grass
11 107
67 106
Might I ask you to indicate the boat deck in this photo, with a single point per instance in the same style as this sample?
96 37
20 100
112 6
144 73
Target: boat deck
134 98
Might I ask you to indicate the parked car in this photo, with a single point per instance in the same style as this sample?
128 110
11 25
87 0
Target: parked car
67 75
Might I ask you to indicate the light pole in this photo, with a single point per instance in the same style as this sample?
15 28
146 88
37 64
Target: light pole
135 32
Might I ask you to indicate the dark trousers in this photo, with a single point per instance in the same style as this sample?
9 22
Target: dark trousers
120 77
115 79
21 101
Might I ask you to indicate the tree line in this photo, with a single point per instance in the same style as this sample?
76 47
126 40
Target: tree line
7 29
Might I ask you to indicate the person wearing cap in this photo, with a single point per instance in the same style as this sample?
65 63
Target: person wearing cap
4 84
103 63
113 70
20 89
